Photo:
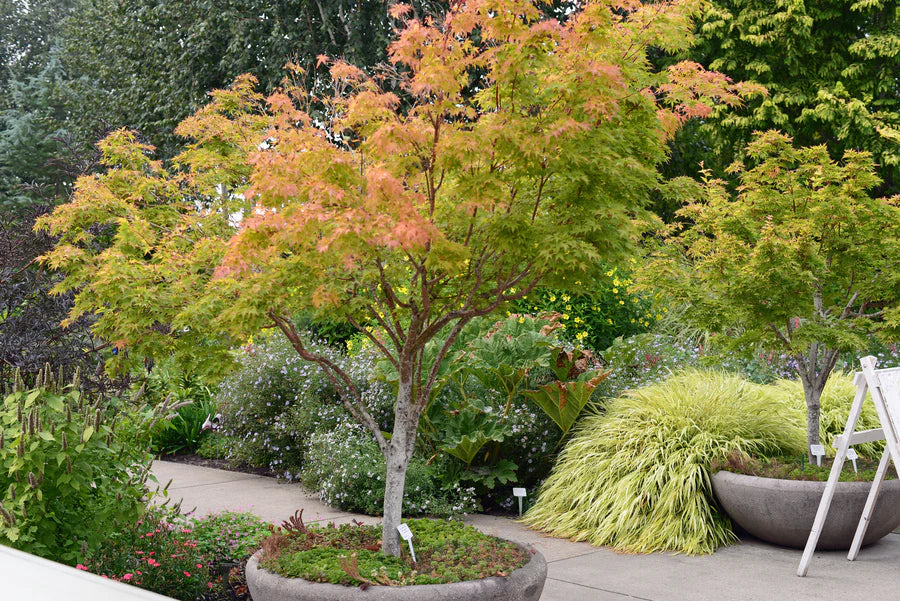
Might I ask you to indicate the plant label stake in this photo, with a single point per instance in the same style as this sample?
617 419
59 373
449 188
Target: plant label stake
519 493
818 451
406 534
852 456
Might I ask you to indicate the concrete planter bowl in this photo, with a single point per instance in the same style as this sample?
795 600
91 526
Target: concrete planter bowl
782 511
524 584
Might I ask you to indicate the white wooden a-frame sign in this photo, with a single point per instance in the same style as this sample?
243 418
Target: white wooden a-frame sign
884 386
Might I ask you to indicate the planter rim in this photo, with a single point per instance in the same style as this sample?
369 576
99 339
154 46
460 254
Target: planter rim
531 576
787 482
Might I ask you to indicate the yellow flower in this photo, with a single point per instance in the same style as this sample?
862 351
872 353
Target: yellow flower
568 307
565 298
512 290
616 282
579 320
632 320
349 345
552 297
621 302
665 310
609 321
615 290
521 320
565 316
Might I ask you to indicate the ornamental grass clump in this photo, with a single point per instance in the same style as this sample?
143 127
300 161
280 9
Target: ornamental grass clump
636 478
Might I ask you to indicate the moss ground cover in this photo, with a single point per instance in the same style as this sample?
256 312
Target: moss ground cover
797 468
350 554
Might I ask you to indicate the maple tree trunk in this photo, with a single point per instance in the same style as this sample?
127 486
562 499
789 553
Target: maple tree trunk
812 391
396 462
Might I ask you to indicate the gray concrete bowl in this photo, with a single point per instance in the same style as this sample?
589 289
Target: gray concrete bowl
782 511
524 584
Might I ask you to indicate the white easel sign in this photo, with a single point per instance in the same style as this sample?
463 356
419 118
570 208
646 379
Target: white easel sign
884 387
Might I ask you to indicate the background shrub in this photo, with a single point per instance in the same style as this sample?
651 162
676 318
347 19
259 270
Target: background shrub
275 401
347 468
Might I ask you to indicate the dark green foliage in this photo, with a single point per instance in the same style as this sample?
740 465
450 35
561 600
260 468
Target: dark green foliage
183 433
190 398
146 65
70 468
446 551
831 68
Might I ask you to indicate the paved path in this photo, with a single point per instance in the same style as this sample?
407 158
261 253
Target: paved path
749 571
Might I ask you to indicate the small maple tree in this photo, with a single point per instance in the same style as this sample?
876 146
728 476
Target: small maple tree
801 258
498 150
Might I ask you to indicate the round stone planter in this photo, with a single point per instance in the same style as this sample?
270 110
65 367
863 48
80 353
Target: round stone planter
782 511
524 584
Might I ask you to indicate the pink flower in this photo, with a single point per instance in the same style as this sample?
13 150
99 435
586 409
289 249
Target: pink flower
127 577
188 574
81 566
199 565
186 530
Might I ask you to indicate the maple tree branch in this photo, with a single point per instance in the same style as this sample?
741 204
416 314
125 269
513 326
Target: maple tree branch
350 396
848 308
384 350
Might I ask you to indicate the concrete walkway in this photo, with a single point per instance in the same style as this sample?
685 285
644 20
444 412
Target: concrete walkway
749 571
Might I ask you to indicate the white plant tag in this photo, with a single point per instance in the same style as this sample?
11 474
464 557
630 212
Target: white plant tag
818 451
852 456
407 535
519 493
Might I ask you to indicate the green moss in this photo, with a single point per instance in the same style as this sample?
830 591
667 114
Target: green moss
446 551
797 468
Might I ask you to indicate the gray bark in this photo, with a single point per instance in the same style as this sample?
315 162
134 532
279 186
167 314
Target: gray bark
399 452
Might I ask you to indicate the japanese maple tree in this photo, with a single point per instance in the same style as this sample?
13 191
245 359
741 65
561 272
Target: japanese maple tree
801 258
498 149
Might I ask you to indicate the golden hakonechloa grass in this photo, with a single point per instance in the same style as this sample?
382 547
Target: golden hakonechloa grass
637 477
